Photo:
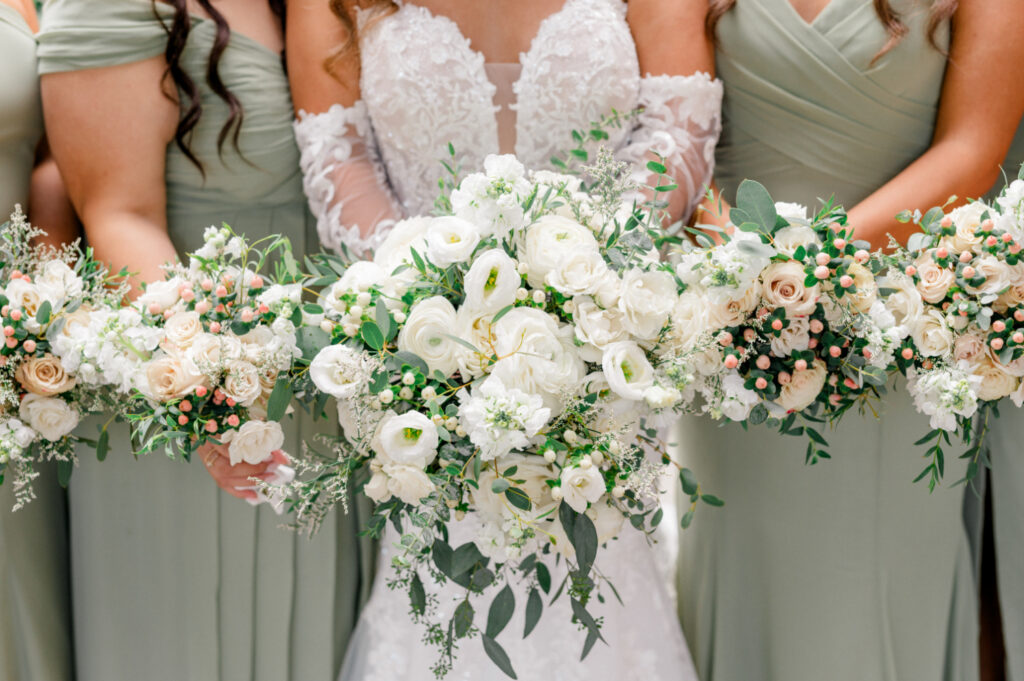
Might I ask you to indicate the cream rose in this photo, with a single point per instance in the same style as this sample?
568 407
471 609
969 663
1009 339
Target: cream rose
782 285
967 219
1014 295
51 417
163 294
44 376
254 442
795 337
934 281
804 388
242 382
866 289
995 382
427 334
25 296
932 335
647 299
183 328
733 312
167 378
492 282
548 241
997 275
969 347
451 240
788 239
627 370
581 486
410 439
209 353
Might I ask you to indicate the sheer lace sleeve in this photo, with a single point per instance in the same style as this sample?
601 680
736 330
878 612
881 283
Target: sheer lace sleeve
681 120
344 180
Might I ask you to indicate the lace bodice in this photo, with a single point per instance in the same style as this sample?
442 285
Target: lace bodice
425 87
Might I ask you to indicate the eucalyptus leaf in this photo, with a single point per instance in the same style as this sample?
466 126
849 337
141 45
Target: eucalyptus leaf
500 612
584 540
463 618
280 397
753 199
756 248
534 608
498 656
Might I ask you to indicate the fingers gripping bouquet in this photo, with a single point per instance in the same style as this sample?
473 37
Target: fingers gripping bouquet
502 362
45 392
958 292
225 343
780 320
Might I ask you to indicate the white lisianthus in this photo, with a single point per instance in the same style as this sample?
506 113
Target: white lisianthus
550 240
377 486
737 400
660 397
51 417
579 273
451 240
427 334
254 442
164 294
788 239
500 419
804 388
360 276
581 486
627 370
646 301
492 282
475 328
596 327
795 337
934 280
183 328
782 285
932 335
791 212
409 439
408 483
340 371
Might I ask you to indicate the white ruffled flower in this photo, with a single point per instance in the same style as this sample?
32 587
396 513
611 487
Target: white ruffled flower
550 240
627 370
254 442
427 334
646 301
788 239
341 372
51 417
737 400
492 200
596 327
492 282
581 486
58 283
409 439
451 240
944 393
579 273
500 419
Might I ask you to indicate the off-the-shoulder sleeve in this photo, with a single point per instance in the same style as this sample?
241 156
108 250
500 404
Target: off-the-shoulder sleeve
90 34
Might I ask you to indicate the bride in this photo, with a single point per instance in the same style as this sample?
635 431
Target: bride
382 88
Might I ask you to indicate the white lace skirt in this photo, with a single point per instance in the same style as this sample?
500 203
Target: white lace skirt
645 641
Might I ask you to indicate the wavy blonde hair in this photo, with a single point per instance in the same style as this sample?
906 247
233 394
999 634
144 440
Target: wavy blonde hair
345 11
941 10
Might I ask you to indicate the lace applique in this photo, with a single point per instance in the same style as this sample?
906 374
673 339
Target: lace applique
681 121
338 155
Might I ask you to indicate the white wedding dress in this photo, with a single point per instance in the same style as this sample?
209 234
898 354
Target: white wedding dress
423 86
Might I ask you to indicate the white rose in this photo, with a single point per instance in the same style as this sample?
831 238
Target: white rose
24 295
548 241
791 212
804 388
782 285
183 328
905 302
377 487
404 237
934 280
254 442
408 483
627 370
996 383
410 439
1014 295
51 417
167 378
242 382
646 301
581 486
208 353
339 371
687 323
492 282
579 273
451 240
427 334
596 327
967 219
734 312
932 335
163 293
58 282
788 239
795 337
997 276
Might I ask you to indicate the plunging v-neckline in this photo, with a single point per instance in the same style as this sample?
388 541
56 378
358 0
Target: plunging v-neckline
813 21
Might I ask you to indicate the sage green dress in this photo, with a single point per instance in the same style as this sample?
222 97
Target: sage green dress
172 579
845 570
35 612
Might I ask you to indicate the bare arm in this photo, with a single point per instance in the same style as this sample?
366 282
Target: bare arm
49 206
109 129
981 107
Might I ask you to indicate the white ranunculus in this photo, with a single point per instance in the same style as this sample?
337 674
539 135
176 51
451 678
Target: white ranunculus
646 301
538 356
408 483
254 442
51 417
804 388
492 282
409 439
581 486
550 240
782 285
795 337
163 293
733 312
627 370
596 327
579 273
791 212
788 239
932 335
688 322
934 280
58 282
427 334
183 328
451 240
499 419
242 382
340 371
998 276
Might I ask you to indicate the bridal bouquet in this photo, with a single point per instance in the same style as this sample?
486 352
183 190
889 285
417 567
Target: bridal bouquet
783 318
43 393
219 341
957 290
504 362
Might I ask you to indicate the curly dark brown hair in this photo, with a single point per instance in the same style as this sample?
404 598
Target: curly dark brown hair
941 10
178 29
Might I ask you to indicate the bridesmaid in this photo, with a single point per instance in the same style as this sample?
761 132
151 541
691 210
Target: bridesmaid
166 118
846 570
35 612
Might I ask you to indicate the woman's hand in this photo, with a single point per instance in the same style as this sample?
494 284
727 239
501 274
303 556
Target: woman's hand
230 478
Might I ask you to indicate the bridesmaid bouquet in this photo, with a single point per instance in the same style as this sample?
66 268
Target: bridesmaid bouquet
957 292
44 391
782 319
220 345
504 361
